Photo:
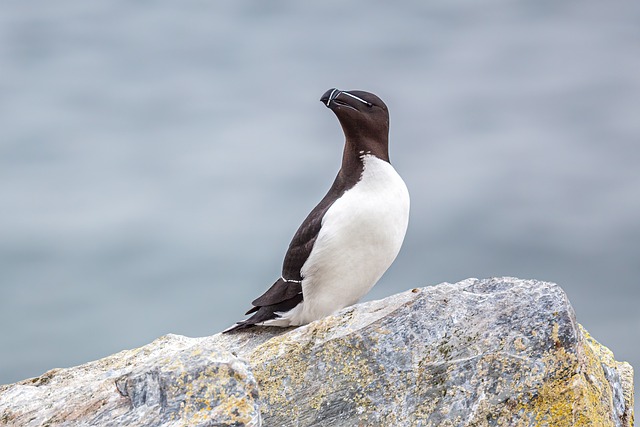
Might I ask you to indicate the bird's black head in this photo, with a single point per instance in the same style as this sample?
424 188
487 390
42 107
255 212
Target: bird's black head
364 119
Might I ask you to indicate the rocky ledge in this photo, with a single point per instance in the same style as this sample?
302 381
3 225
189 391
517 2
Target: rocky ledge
495 352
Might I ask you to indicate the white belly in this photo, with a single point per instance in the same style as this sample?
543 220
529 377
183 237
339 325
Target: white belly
361 235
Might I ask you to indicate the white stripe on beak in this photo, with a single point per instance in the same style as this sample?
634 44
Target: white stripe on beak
331 97
368 104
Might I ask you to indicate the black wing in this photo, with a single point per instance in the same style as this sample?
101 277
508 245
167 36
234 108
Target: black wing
304 239
286 292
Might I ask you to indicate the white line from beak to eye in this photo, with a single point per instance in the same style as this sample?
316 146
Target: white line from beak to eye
355 97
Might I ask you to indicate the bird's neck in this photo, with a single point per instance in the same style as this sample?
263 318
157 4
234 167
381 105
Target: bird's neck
353 160
354 151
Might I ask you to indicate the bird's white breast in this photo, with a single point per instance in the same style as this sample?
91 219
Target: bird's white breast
361 235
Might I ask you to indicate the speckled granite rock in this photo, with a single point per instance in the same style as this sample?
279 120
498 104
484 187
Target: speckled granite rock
495 352
174 381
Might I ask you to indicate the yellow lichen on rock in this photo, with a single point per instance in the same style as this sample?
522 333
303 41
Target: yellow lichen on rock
606 359
575 391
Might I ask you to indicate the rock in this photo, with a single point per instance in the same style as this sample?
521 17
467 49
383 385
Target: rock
495 352
173 381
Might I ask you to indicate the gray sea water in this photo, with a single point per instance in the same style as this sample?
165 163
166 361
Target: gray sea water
157 157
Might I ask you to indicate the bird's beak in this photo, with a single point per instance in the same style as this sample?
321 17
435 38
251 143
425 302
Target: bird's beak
329 96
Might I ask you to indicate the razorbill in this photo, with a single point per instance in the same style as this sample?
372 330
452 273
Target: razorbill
353 235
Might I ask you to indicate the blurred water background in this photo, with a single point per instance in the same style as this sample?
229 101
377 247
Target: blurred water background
157 157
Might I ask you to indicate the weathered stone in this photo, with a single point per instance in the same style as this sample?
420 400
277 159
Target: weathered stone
174 381
496 352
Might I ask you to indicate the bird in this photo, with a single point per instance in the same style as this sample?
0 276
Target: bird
353 235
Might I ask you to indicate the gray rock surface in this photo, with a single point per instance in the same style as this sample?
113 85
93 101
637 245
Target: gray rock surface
173 381
495 352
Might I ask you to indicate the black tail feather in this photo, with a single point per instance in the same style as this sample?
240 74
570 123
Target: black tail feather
252 310
264 313
238 326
